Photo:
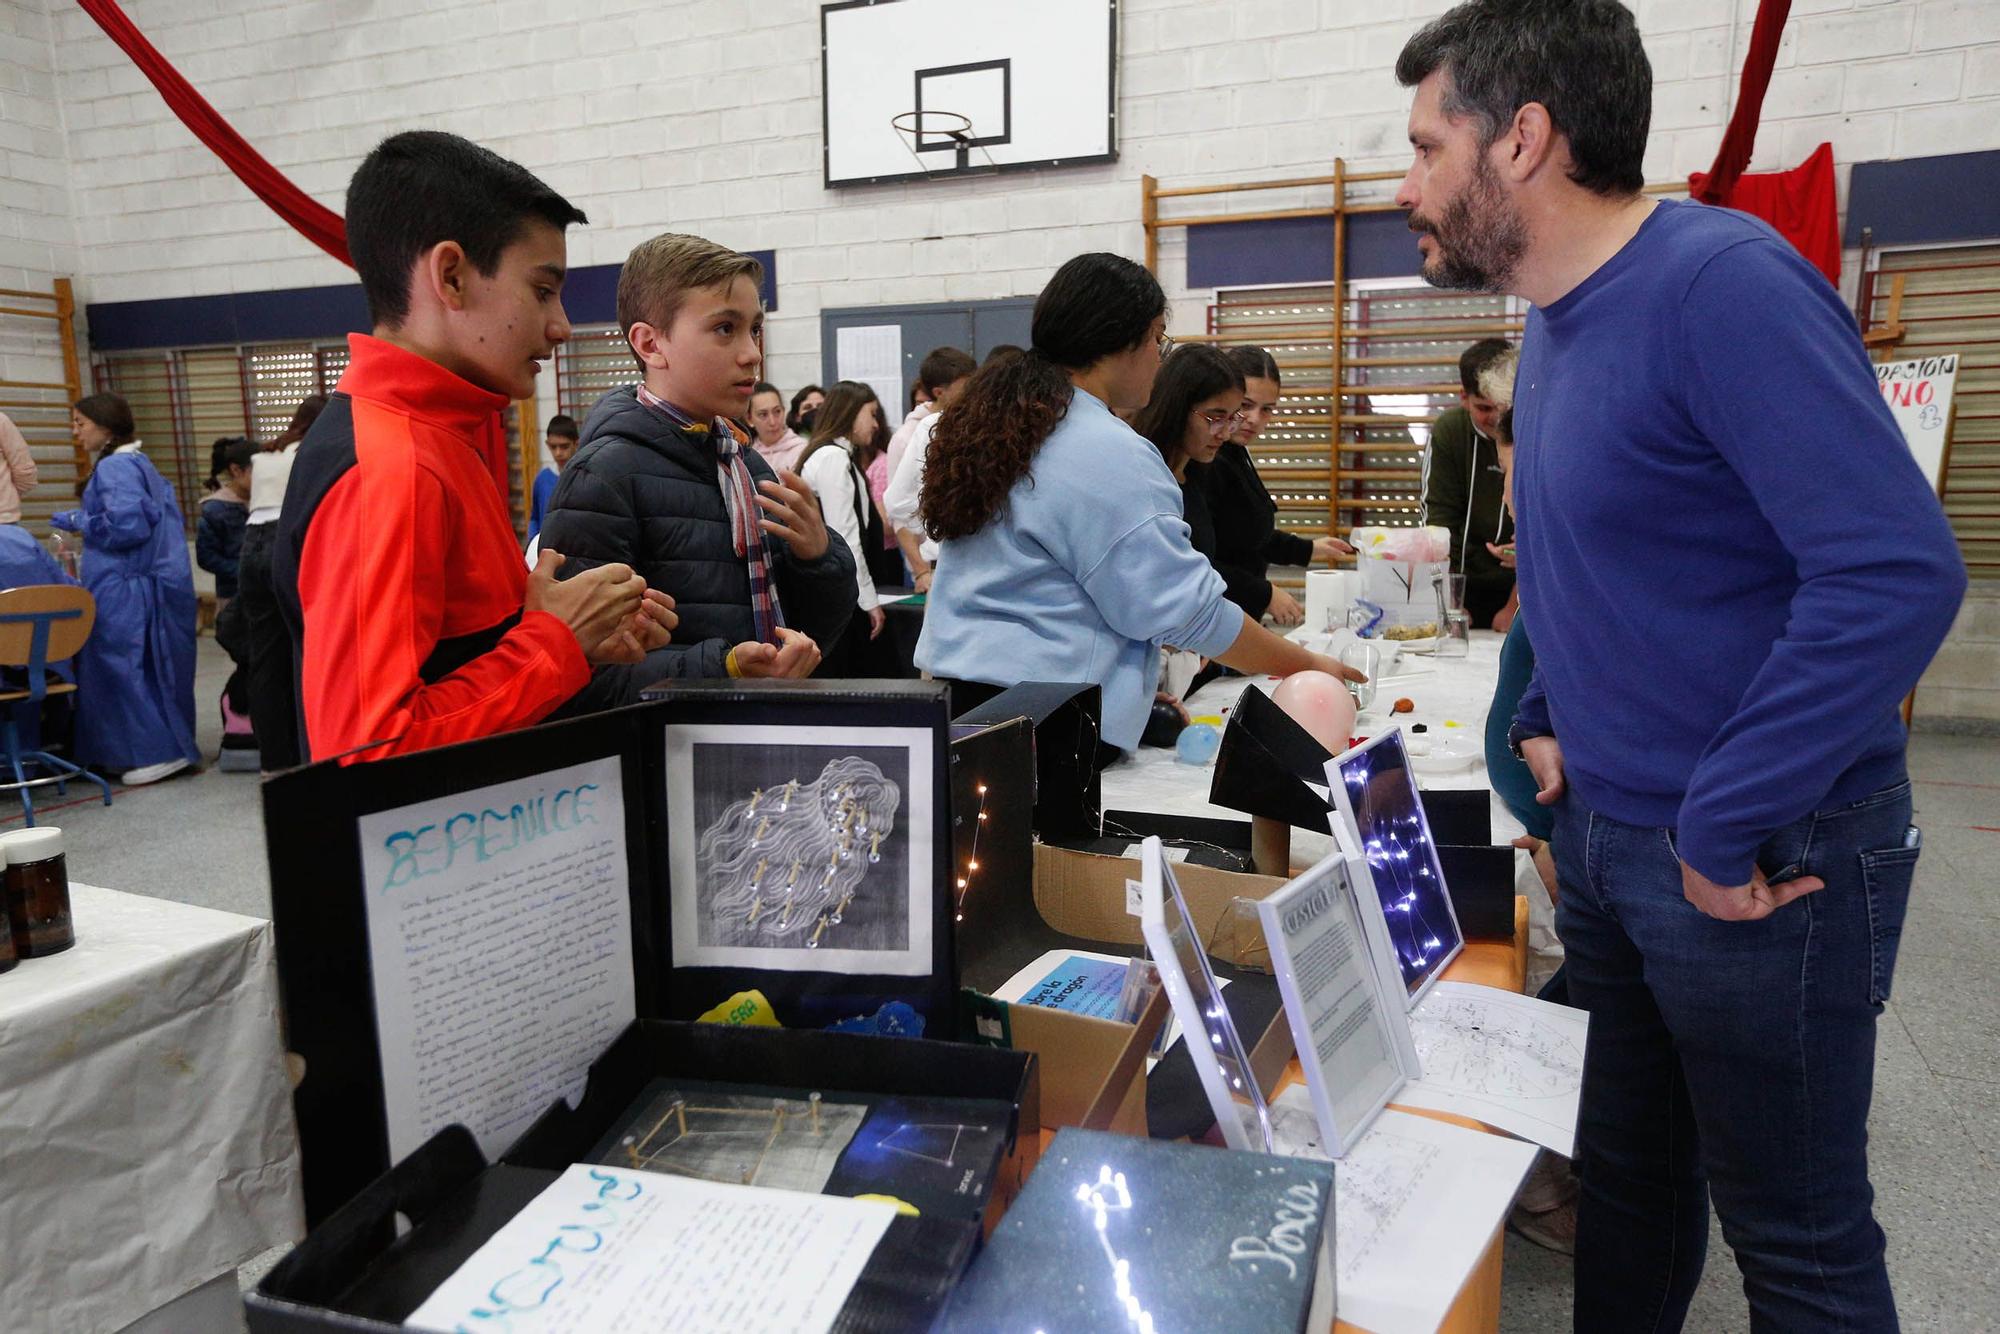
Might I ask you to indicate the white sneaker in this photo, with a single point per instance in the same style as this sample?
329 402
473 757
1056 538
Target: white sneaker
152 773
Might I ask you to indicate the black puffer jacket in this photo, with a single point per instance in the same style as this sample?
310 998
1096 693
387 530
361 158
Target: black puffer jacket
643 492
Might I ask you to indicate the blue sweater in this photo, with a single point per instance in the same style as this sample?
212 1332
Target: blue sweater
1082 575
1736 569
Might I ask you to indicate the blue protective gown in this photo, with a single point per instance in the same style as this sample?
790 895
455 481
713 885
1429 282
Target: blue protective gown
135 675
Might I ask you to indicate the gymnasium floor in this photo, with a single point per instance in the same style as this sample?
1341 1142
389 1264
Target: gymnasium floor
1936 1124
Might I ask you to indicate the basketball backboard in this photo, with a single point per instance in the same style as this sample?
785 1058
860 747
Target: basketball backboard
914 89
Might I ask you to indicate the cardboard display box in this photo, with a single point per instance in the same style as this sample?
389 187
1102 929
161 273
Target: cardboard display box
357 1271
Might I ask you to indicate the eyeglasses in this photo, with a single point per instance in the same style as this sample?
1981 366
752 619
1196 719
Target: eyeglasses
1217 418
1166 344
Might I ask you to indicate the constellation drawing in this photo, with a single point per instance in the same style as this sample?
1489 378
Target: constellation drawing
1482 1048
782 866
743 1139
933 1143
1374 1183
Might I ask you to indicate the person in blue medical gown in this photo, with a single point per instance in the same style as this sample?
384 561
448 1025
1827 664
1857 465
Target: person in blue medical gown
135 675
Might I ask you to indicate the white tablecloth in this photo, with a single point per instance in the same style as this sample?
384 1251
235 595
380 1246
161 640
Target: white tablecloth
1452 697
146 1134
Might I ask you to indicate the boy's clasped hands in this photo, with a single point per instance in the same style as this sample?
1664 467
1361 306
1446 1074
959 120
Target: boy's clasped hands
615 617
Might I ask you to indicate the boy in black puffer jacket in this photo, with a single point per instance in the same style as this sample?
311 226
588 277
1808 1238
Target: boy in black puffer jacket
666 483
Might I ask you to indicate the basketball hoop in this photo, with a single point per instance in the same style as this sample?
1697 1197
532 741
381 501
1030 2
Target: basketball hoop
935 132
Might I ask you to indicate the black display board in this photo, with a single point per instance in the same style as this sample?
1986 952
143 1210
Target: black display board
326 971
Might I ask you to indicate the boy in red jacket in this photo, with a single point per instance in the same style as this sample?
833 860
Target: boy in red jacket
415 621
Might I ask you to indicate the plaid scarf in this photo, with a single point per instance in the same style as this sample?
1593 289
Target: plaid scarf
739 496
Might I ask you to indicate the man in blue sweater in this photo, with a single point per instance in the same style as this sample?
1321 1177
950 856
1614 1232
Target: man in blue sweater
1735 572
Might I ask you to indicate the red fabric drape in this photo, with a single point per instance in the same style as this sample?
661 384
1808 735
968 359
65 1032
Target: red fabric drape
1741 137
1799 203
312 219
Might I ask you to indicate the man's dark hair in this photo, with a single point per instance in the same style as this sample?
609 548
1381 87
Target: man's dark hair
1581 59
424 187
1472 362
564 425
945 366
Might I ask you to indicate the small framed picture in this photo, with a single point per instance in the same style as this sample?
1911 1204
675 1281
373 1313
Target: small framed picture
802 849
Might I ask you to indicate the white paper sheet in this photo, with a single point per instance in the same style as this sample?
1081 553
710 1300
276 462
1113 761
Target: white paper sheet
1416 1203
148 1142
1514 1062
873 354
622 1252
500 925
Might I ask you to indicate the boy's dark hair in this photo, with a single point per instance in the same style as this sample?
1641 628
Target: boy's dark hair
1254 363
423 187
235 450
1582 59
564 425
944 366
1472 362
1001 352
1190 373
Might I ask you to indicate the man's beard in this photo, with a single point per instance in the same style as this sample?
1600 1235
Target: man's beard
1479 238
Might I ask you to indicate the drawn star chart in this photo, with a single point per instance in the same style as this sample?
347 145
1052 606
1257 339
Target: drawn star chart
781 867
931 1143
1513 1062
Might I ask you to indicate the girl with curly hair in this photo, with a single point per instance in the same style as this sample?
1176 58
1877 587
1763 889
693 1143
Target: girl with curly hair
1064 554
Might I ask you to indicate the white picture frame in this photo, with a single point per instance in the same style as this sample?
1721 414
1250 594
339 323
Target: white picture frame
1382 835
884 927
1331 952
1221 1061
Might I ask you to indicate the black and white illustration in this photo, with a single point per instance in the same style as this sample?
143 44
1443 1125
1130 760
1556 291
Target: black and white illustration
1514 1062
801 849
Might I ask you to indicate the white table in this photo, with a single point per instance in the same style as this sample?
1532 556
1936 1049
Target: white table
1452 698
147 1145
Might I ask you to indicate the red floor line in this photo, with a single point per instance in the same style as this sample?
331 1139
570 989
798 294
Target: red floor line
1984 828
1941 782
41 810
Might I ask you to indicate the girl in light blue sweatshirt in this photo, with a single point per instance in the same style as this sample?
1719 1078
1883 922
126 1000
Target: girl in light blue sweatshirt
1063 552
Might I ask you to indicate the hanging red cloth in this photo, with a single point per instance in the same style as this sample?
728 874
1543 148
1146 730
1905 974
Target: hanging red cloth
1733 157
1799 203
312 219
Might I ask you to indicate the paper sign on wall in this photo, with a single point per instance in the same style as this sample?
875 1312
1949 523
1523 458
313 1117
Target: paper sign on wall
1918 393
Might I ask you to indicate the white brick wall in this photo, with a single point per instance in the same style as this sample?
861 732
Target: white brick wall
621 104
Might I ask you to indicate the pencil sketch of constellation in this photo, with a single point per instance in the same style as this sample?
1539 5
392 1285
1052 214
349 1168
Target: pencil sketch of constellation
1494 1050
1372 1184
781 866
933 1143
744 1140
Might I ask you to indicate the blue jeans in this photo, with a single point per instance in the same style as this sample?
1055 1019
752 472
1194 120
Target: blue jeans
1735 1059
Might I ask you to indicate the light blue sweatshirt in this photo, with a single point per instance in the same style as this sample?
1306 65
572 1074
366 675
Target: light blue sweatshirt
1083 574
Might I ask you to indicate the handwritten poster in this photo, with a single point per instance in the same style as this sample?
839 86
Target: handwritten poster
608 1249
500 927
1918 393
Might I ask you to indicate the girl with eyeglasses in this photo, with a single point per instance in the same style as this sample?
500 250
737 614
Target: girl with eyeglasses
1195 405
1248 538
1064 555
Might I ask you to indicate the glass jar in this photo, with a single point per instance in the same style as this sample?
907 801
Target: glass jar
37 890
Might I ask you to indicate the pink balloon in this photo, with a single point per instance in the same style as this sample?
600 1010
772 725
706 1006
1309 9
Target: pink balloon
1320 704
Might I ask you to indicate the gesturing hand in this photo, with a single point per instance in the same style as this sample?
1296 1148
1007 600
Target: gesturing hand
1544 755
791 512
1326 548
1743 903
596 604
646 629
1505 555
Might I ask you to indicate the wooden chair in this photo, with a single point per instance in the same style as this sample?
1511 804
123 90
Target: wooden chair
41 624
